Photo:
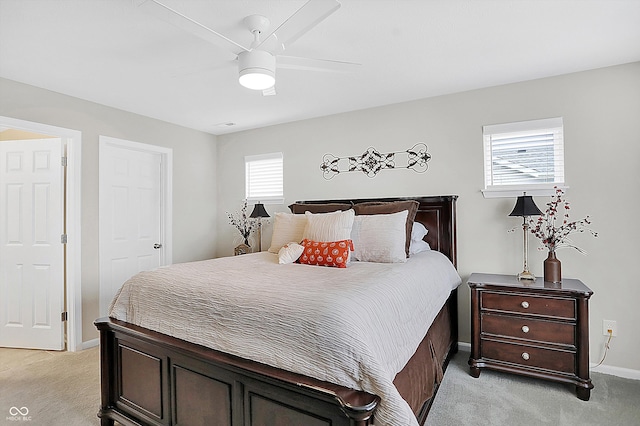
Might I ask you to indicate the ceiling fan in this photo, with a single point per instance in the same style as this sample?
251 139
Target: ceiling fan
257 63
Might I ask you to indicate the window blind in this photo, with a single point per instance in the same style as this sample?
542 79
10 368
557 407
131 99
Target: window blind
522 154
264 178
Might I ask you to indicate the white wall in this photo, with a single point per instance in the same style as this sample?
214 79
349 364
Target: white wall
194 174
601 111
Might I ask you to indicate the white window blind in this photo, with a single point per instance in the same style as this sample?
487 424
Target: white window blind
524 156
264 178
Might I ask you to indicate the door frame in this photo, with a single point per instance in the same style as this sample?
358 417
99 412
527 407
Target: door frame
72 140
166 200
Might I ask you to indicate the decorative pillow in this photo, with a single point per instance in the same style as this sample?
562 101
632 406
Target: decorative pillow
418 231
333 253
380 238
418 246
300 208
289 253
333 226
286 227
381 207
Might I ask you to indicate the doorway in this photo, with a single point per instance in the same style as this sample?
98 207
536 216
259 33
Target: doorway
135 212
58 303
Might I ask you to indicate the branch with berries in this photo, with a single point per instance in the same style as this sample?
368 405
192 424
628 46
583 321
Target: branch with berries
553 227
242 221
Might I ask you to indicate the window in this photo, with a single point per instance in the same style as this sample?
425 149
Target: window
523 156
263 178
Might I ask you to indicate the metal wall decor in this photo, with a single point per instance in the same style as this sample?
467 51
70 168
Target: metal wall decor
371 161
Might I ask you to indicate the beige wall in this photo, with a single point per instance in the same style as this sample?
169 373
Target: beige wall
194 174
601 111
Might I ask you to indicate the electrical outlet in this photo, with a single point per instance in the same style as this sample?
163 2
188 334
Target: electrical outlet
609 325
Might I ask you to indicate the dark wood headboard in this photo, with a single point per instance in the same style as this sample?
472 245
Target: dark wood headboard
436 213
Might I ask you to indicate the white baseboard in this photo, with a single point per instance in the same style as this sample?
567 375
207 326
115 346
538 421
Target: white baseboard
626 373
464 346
90 344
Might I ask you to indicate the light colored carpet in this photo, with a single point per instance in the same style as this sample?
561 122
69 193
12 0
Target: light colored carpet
506 399
63 389
57 388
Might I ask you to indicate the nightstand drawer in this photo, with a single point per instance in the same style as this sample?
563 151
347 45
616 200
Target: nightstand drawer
530 329
530 305
548 359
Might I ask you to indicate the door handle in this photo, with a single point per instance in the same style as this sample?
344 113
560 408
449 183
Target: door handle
157 246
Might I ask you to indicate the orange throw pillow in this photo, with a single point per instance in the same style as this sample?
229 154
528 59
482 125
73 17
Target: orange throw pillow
333 253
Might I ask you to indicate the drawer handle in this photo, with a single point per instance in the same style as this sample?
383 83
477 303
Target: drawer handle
525 356
525 304
525 329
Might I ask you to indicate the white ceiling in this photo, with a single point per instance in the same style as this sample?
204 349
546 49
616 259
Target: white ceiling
113 53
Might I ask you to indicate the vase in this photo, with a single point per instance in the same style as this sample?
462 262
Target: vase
242 249
552 268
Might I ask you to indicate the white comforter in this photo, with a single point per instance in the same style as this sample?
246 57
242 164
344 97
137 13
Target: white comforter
355 327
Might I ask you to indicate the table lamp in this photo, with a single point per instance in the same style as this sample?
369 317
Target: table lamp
259 212
525 207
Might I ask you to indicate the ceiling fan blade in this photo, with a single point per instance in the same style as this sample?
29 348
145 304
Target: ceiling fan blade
172 16
309 64
190 70
303 20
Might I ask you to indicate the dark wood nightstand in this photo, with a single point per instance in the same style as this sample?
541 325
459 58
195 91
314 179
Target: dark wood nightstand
533 328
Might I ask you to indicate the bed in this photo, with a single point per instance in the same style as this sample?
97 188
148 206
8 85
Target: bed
150 376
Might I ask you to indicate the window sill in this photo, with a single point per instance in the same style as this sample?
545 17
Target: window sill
514 191
266 200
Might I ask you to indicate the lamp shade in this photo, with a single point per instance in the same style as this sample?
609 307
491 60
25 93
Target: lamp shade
525 207
259 211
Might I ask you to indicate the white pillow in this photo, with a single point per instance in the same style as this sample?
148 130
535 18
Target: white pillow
328 227
380 238
286 227
289 253
418 232
417 246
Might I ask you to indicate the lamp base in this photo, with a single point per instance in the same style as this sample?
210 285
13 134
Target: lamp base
526 275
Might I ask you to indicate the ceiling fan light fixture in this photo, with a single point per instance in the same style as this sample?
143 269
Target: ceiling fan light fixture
257 69
257 79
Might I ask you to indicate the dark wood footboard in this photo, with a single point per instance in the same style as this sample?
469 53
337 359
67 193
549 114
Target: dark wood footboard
149 378
153 379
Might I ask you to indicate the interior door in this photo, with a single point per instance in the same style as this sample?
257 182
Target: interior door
130 216
31 250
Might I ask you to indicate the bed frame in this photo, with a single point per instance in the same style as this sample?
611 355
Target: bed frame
148 378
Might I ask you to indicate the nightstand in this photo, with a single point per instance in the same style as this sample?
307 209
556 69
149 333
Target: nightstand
532 328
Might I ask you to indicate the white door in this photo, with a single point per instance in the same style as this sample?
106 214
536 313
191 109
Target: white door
31 251
130 216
